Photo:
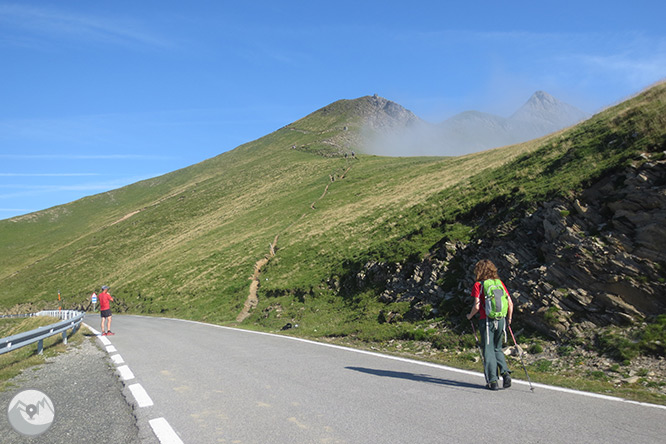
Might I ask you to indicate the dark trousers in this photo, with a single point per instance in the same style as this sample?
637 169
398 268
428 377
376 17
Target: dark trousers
492 337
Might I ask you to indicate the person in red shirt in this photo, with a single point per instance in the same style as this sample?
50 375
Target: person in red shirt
105 310
492 331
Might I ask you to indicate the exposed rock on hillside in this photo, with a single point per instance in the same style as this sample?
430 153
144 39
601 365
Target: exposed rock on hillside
380 114
596 259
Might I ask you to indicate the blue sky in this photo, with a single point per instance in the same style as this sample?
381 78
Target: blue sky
96 95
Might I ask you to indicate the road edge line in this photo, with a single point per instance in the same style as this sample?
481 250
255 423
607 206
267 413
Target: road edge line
165 434
414 361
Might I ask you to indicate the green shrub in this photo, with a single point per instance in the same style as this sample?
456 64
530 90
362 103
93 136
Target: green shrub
458 232
471 357
597 374
441 342
467 341
653 340
449 340
415 335
543 365
535 349
551 315
565 350
617 347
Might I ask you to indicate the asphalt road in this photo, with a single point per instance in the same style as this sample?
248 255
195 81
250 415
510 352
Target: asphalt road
214 384
87 397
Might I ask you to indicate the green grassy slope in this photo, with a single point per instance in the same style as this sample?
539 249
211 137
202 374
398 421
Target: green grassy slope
186 243
448 199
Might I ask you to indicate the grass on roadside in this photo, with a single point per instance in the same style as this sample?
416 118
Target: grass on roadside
327 319
468 359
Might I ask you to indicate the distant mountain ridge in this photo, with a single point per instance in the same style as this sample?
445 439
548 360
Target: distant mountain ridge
473 131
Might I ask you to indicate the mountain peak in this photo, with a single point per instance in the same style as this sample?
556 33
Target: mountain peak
540 100
368 112
384 113
348 124
542 96
543 107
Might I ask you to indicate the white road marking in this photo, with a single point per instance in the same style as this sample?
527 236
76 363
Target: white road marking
95 332
125 373
427 364
140 394
164 432
162 429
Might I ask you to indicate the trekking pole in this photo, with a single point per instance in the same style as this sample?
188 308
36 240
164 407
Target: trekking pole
520 350
478 344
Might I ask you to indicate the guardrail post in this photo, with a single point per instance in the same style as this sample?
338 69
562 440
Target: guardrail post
64 337
40 347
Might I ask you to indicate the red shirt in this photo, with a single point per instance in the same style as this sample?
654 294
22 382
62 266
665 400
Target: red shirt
104 300
477 291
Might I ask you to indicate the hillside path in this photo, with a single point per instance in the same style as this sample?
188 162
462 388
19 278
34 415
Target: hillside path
218 384
252 299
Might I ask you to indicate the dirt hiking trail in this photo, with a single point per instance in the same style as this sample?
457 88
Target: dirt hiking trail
252 299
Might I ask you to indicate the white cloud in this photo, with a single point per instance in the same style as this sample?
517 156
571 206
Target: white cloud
638 70
43 24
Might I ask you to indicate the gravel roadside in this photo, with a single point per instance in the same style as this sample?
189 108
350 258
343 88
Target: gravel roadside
89 401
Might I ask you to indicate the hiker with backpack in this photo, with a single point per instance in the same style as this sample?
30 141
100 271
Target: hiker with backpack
493 303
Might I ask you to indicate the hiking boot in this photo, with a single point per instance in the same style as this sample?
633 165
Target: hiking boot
110 333
506 381
104 334
493 386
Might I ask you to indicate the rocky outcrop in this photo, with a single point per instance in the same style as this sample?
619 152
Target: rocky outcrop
596 259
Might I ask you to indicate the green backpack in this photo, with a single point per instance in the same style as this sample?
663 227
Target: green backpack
497 300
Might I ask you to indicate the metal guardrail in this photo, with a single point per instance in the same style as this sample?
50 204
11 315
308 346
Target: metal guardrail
29 315
70 320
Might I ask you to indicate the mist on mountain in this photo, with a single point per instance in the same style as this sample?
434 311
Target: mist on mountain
473 131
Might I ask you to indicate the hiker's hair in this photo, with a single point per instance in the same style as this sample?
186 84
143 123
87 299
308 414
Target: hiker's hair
485 269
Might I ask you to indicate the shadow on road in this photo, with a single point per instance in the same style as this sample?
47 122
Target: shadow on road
415 377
